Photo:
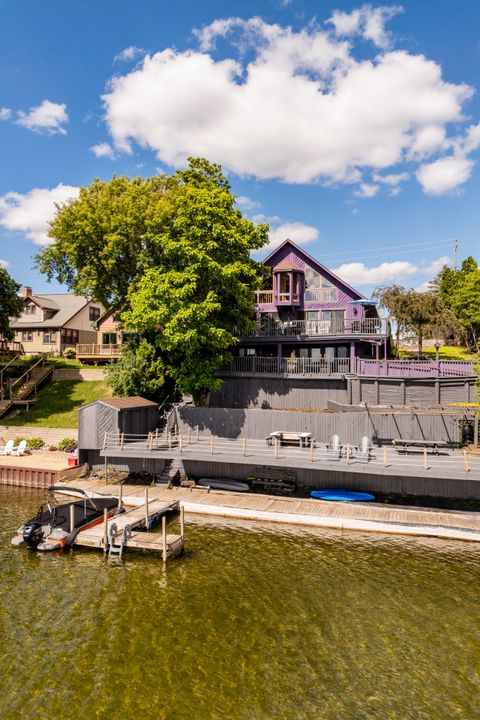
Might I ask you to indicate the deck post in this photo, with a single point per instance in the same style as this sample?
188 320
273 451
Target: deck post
425 459
198 433
465 460
72 517
156 437
120 496
122 437
146 508
276 447
189 435
105 530
312 448
182 521
384 457
348 453
164 538
244 447
106 470
211 445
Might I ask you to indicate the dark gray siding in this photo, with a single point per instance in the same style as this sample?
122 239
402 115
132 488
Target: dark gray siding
382 428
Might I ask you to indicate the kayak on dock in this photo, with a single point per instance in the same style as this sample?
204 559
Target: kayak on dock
51 528
224 484
342 495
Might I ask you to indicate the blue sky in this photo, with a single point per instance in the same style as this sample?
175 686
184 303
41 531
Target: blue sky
353 129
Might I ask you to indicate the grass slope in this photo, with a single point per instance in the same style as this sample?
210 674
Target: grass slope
57 403
445 352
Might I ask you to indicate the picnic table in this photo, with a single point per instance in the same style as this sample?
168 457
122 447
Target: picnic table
282 437
402 445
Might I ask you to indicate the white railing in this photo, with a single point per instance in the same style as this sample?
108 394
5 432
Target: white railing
287 366
320 328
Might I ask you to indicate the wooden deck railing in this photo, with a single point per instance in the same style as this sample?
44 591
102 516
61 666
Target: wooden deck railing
93 350
320 328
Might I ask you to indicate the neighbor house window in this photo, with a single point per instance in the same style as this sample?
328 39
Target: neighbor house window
27 336
128 337
109 339
49 336
69 336
94 313
30 309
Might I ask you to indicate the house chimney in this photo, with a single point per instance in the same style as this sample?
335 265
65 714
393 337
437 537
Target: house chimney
26 292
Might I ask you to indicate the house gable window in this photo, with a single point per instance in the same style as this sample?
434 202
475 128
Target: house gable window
93 313
318 288
30 309
27 336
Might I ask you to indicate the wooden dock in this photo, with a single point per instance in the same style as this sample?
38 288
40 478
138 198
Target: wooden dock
130 529
366 517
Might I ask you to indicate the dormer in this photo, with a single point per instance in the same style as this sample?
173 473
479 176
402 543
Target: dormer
288 284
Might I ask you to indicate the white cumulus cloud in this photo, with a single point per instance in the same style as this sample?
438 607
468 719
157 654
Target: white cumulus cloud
299 232
129 53
4 263
48 118
31 212
445 174
366 190
357 273
436 265
246 203
5 113
366 21
298 106
103 150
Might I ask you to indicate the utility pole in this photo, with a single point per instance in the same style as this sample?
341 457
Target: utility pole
454 254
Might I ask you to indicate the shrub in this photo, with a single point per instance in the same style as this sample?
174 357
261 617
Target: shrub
67 443
69 353
35 443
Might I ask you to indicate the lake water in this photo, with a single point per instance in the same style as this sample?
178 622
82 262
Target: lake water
253 623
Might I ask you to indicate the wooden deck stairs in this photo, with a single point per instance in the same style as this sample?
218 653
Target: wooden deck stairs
26 385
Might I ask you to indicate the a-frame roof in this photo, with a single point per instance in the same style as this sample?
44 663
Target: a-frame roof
270 260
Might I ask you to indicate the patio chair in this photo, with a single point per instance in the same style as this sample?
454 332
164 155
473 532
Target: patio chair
7 449
20 449
364 449
334 449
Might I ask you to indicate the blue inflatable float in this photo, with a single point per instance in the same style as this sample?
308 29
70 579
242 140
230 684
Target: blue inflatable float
342 495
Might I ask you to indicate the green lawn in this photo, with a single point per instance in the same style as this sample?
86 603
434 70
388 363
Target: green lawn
445 352
57 403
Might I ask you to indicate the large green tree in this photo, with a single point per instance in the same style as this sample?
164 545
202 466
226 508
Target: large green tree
10 304
174 254
460 292
200 290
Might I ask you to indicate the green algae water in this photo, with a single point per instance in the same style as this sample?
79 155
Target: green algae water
253 623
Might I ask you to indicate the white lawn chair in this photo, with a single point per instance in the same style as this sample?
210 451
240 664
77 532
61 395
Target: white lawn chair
364 449
334 449
7 449
20 449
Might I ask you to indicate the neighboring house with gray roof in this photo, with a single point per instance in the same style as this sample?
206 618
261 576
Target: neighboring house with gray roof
51 323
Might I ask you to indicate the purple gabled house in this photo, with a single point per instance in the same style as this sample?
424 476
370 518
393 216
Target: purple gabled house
310 315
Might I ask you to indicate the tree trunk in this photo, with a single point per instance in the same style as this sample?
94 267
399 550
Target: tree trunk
420 339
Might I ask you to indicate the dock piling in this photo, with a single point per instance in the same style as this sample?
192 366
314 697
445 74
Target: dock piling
120 494
146 508
164 538
105 530
72 518
425 459
465 461
182 522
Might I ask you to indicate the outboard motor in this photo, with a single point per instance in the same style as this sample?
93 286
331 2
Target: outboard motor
32 534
